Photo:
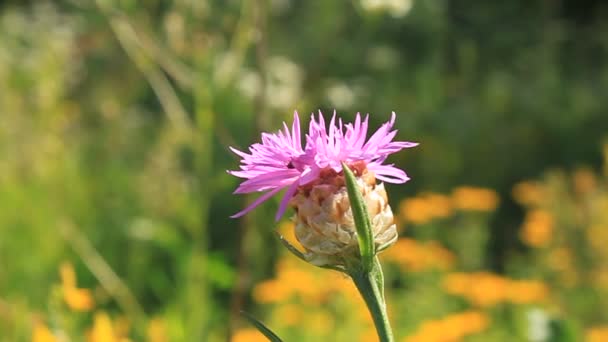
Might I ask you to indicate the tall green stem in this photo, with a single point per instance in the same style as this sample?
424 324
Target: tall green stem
371 286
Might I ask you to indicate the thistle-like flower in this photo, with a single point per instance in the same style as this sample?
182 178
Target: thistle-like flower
314 183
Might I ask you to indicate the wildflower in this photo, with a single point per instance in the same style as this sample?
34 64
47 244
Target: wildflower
451 328
41 333
426 207
312 175
157 330
584 181
280 162
486 289
103 329
248 335
537 228
597 334
528 193
414 256
475 199
77 299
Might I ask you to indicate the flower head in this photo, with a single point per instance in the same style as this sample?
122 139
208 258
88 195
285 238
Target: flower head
280 162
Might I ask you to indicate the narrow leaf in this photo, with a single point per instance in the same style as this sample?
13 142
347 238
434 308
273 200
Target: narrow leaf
362 221
262 328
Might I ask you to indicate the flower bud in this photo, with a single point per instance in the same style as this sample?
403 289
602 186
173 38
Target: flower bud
324 223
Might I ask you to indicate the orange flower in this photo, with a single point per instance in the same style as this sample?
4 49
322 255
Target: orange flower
41 333
526 291
451 328
415 256
482 288
425 208
415 210
528 193
103 330
248 335
597 334
584 181
486 289
537 228
157 331
474 199
76 299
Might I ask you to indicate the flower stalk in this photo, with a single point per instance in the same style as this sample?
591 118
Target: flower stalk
367 275
371 286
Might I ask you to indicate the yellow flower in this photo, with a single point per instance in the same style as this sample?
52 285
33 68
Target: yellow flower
474 199
102 330
440 205
271 291
451 328
526 291
584 181
481 289
414 256
157 331
415 210
41 333
528 193
76 299
248 335
597 334
486 289
425 207
537 228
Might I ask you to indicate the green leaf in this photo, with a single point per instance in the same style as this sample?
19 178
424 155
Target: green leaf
262 328
362 221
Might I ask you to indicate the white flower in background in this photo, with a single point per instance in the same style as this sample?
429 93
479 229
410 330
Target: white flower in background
396 8
249 83
283 82
340 95
538 325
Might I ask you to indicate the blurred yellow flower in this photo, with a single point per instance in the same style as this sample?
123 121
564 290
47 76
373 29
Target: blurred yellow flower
528 193
537 228
41 333
597 334
248 335
425 207
584 181
484 289
415 256
475 199
76 298
299 279
526 291
415 210
451 328
157 331
102 330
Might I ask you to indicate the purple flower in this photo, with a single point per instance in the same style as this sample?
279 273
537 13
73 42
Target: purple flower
280 162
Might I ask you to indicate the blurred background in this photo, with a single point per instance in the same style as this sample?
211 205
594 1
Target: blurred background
115 122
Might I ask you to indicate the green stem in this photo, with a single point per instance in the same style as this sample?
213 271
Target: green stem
371 286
